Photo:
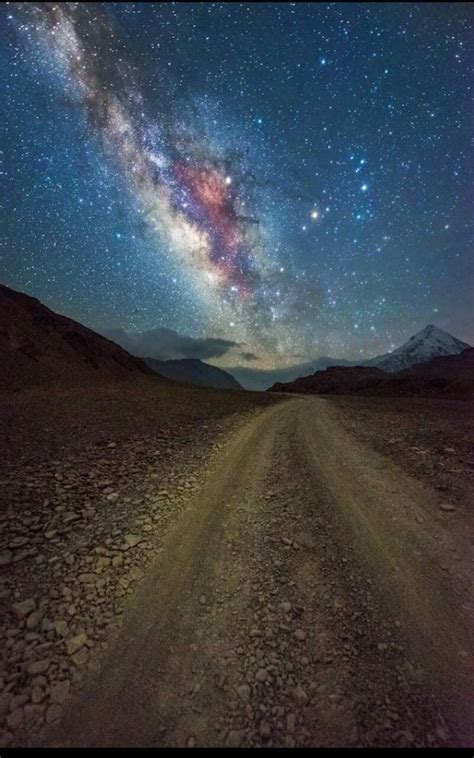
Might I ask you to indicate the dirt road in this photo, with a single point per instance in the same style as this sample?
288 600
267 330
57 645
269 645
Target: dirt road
307 596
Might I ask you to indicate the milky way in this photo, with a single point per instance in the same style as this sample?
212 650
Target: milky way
294 179
194 198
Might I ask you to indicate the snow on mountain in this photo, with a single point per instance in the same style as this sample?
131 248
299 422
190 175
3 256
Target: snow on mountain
430 343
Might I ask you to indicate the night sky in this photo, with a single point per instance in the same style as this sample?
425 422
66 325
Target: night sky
295 179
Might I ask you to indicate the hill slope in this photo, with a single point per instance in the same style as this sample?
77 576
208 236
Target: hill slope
194 371
38 346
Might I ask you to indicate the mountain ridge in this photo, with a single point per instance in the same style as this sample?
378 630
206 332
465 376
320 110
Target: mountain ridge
39 346
449 376
194 371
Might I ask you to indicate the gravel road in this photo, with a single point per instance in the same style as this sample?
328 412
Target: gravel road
303 596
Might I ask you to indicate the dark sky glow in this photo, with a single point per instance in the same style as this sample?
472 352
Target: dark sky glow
293 178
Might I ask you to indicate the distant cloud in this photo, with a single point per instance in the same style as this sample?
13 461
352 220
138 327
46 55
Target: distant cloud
166 344
249 356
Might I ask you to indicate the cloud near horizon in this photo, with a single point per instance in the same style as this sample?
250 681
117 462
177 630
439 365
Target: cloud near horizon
167 344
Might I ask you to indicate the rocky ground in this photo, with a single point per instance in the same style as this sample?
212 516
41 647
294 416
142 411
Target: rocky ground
90 483
432 439
229 569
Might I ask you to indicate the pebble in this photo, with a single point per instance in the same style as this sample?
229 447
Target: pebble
24 608
62 628
131 540
235 738
76 643
37 695
300 695
59 692
34 620
244 692
15 718
80 659
264 730
38 667
4 705
53 714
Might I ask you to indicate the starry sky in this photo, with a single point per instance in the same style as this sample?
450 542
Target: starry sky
290 180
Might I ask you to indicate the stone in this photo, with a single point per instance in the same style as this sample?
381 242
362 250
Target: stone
117 561
59 692
76 643
300 695
235 738
40 681
61 628
447 507
80 659
39 667
202 600
4 705
285 606
132 540
15 718
244 692
24 608
53 714
300 635
264 730
6 558
69 518
87 578
34 619
261 675
6 739
290 723
32 713
37 695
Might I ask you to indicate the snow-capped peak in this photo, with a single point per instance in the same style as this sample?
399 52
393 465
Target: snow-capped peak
430 343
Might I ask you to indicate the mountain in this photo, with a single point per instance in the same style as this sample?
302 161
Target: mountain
38 346
194 371
430 343
262 379
335 380
445 377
